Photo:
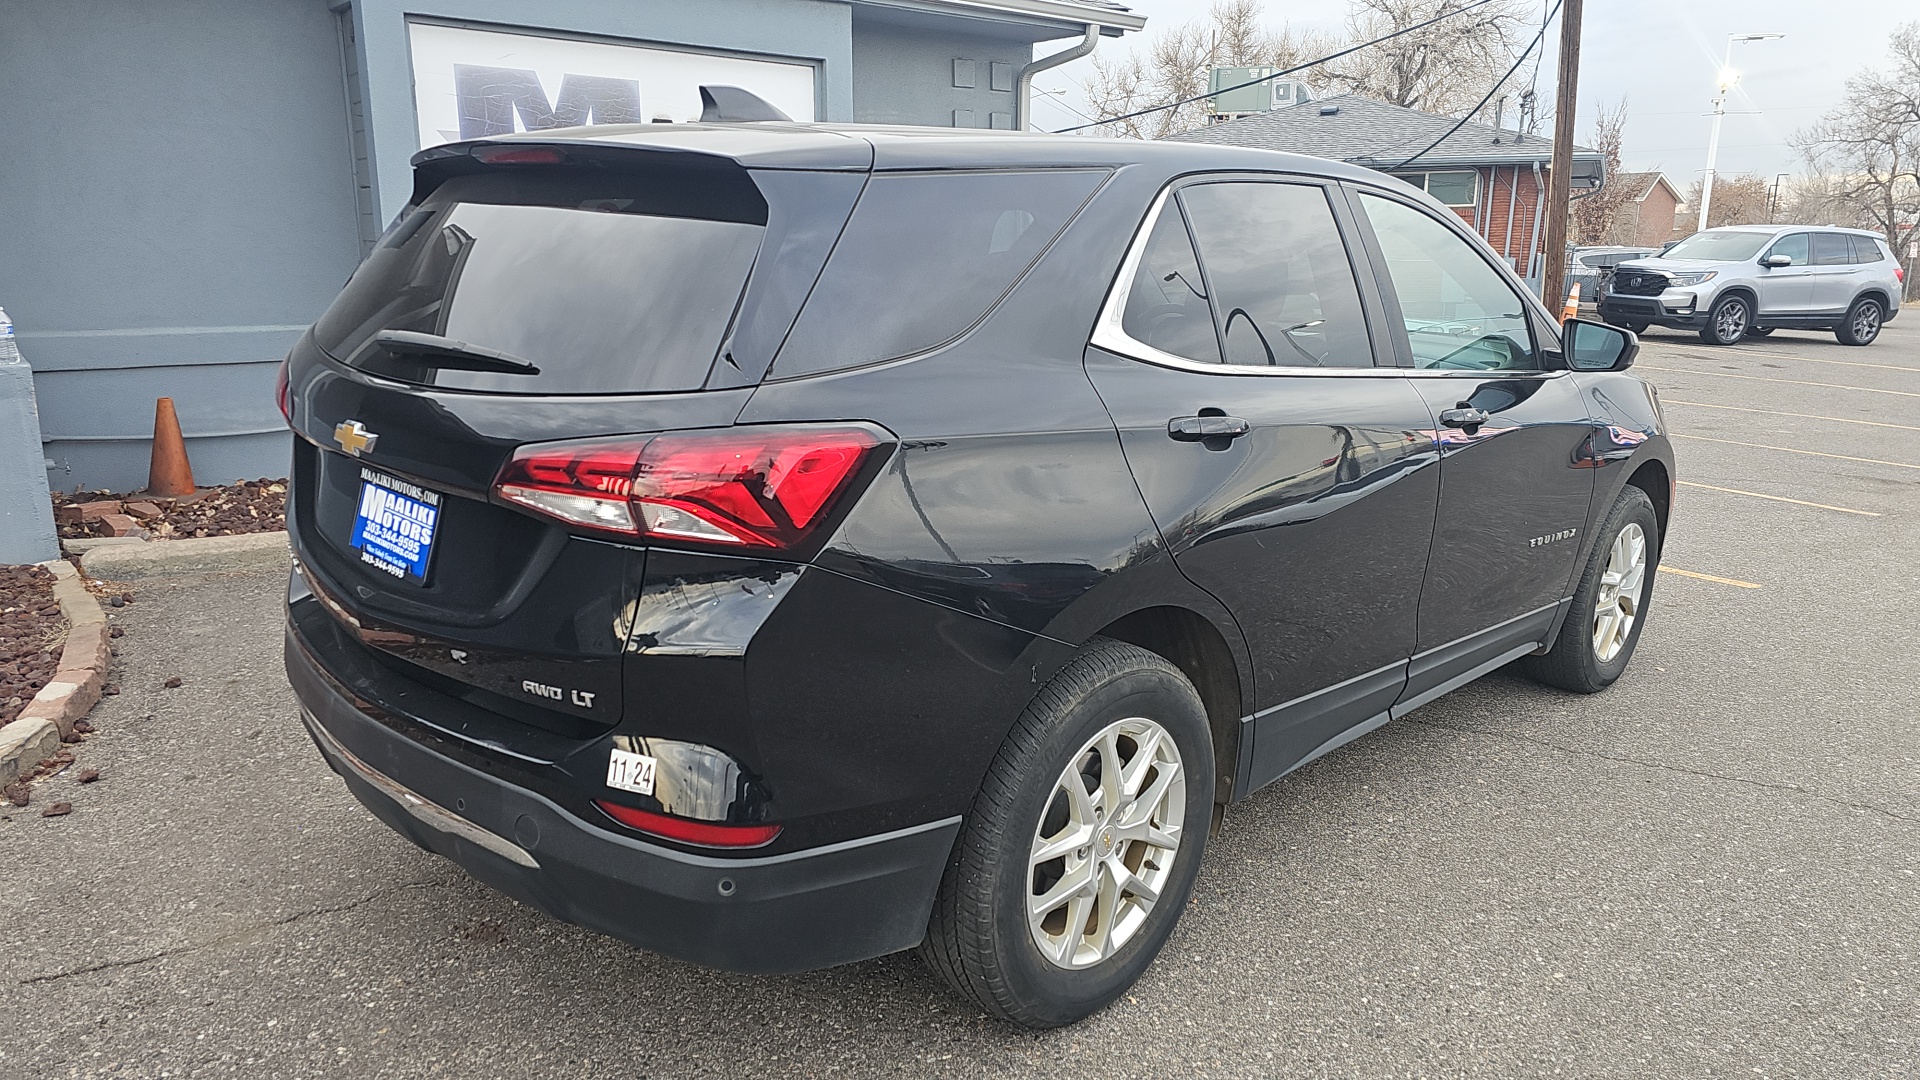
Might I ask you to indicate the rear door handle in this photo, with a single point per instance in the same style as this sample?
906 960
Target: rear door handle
1465 417
1200 428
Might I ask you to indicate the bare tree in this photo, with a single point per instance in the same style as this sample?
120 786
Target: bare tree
1737 200
1594 215
1444 68
1818 199
1869 146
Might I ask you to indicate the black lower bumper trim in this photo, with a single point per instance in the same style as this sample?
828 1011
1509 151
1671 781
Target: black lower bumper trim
794 912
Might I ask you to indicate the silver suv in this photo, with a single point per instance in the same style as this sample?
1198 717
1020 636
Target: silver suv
1749 280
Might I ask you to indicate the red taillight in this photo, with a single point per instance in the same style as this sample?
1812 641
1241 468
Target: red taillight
519 155
704 833
1899 276
764 487
283 393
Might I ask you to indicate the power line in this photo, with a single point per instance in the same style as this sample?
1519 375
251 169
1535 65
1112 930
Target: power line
1524 53
1281 74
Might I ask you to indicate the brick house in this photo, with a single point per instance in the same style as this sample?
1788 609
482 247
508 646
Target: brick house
1492 177
1646 217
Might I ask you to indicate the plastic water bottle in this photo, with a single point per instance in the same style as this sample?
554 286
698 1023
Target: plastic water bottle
9 349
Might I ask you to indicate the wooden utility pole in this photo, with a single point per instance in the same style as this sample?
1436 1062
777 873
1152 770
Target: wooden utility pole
1560 179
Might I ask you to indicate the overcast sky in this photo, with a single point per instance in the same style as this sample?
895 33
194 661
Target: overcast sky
1661 55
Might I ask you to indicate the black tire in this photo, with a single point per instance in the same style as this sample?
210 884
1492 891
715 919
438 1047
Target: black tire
1862 324
1574 663
978 939
1728 321
1759 331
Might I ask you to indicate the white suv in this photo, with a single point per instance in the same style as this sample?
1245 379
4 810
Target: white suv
1749 280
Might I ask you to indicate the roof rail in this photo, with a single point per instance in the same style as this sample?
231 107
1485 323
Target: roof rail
732 105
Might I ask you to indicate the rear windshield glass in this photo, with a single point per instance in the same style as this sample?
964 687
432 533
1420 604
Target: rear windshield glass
923 258
1720 246
604 284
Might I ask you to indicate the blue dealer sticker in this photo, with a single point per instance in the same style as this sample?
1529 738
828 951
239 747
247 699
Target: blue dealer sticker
394 526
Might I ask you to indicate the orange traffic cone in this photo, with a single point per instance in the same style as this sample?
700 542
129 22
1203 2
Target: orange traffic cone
169 473
1572 310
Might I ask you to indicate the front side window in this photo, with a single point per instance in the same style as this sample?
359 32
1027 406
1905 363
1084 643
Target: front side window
1167 305
1282 285
1831 249
1459 312
1793 246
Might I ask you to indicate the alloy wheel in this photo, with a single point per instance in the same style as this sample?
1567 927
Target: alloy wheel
1730 321
1617 607
1866 322
1105 844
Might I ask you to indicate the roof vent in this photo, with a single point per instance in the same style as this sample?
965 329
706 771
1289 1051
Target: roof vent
1329 110
732 105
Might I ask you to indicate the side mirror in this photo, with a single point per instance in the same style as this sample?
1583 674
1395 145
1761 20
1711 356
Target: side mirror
1777 260
1592 346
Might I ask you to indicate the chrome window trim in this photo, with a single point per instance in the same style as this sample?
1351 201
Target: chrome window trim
1109 334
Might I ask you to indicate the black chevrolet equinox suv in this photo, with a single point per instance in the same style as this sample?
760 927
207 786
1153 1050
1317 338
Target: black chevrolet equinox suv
777 545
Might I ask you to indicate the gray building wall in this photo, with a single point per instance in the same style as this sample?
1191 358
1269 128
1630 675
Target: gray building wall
906 65
176 202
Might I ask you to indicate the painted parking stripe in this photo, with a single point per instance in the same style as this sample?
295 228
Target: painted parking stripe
1789 382
1794 450
1802 359
1778 498
1801 415
1665 569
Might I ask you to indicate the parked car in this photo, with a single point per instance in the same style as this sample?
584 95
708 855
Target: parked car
778 545
1591 267
1750 280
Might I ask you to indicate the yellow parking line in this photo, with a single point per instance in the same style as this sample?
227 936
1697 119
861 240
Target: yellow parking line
1804 359
1778 498
1792 450
1789 382
1665 569
1801 415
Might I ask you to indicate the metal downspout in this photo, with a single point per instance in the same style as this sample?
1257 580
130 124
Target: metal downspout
1023 86
1539 211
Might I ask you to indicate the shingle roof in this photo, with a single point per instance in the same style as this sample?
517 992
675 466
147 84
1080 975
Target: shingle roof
1643 183
1378 135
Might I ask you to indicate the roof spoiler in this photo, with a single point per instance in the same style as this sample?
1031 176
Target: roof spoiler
732 105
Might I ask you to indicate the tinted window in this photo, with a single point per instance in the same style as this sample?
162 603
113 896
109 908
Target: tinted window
1167 303
1720 246
1283 290
1831 249
1459 311
923 258
1865 249
1793 246
578 279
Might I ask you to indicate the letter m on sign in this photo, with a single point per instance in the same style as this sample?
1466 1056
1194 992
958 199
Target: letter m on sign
490 97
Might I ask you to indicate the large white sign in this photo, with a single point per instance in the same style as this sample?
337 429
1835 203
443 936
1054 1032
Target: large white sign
468 84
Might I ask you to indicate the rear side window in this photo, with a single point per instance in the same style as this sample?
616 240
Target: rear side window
605 284
1283 289
1167 305
1831 249
924 256
1865 249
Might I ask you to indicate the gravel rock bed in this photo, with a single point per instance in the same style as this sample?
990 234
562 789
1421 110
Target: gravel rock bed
251 506
30 633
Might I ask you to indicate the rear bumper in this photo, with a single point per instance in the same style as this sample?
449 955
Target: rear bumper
791 912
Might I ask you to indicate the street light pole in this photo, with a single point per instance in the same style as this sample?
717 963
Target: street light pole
1728 78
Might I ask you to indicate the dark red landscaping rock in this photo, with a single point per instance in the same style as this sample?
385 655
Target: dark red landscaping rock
17 794
250 506
86 776
118 525
172 683
143 510
59 809
30 631
98 508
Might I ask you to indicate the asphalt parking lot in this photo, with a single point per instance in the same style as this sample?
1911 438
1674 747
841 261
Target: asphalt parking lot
1711 870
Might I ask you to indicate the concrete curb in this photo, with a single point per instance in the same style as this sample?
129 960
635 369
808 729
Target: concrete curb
199 555
36 733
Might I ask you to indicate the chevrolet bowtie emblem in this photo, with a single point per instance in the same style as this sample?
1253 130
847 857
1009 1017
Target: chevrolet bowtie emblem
354 438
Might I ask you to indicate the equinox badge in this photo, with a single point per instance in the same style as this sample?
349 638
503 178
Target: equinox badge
354 438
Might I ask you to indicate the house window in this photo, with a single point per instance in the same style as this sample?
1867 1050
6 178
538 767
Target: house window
1454 187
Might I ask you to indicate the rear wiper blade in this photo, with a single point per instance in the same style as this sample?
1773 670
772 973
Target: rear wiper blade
444 352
